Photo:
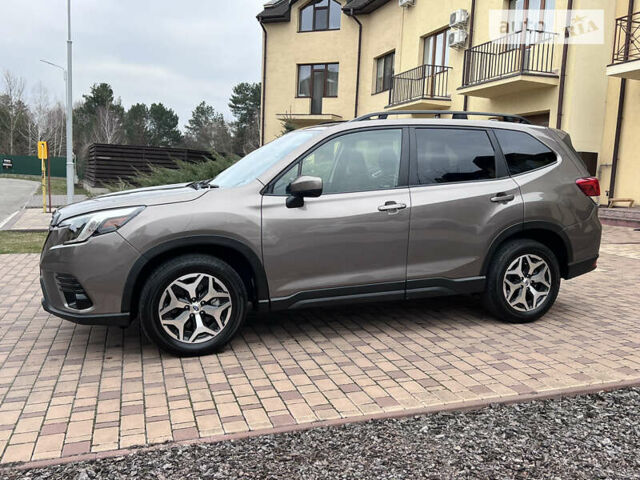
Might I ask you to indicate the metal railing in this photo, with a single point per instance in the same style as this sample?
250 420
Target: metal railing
423 82
626 44
526 51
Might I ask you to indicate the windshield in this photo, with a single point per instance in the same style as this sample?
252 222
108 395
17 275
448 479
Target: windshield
259 161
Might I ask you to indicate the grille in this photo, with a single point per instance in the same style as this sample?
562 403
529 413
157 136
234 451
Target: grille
74 294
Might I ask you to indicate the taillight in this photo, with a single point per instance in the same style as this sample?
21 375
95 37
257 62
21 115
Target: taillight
590 186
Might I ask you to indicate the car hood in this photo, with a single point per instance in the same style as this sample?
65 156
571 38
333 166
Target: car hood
176 193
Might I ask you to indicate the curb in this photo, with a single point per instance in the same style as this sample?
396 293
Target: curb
15 216
455 406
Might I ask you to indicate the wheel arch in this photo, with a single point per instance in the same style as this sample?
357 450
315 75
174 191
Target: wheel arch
549 234
237 254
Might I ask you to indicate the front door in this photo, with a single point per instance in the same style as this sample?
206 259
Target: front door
351 242
462 199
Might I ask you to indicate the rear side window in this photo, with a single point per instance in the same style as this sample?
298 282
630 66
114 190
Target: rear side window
447 155
523 152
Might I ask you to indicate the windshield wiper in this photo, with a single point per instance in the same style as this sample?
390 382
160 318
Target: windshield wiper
202 184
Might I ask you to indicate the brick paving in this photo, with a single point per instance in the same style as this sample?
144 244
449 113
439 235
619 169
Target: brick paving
68 390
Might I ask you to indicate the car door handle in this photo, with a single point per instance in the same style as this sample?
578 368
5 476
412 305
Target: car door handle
391 207
502 197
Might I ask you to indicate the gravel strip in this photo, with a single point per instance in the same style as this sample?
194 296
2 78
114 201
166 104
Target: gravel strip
590 436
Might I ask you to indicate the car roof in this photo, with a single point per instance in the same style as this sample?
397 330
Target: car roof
434 122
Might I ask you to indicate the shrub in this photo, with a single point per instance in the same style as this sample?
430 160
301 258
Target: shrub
186 172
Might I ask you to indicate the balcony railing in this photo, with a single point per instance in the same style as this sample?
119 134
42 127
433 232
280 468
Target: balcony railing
527 51
423 82
626 45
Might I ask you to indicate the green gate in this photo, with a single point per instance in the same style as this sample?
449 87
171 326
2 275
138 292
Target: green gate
23 165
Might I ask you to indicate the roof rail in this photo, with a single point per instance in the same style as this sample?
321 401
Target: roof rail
458 115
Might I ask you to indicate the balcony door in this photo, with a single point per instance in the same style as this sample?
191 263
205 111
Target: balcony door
435 59
318 89
535 15
316 82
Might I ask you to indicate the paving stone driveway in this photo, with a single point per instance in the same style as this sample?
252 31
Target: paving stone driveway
67 390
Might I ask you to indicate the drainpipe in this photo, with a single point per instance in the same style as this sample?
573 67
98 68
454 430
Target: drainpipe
621 101
352 15
472 18
563 68
264 84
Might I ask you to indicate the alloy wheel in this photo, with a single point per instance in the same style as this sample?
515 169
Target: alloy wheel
195 308
527 283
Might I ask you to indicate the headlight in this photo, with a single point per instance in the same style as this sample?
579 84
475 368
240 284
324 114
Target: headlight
79 229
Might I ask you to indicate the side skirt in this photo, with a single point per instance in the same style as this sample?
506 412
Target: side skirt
380 292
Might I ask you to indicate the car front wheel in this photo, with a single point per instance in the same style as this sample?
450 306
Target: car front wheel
522 282
193 305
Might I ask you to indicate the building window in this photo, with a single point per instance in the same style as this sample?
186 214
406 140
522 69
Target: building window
320 15
318 80
384 72
436 51
538 15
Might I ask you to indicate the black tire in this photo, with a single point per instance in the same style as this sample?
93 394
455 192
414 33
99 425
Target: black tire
165 275
494 297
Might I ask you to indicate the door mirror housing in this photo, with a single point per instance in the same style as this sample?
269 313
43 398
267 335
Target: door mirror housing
304 186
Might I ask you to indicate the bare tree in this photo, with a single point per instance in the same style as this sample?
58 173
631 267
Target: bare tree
45 122
14 106
108 126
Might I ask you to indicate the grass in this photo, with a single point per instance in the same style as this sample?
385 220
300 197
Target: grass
58 185
21 242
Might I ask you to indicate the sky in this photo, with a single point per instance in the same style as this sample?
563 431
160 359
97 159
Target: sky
178 52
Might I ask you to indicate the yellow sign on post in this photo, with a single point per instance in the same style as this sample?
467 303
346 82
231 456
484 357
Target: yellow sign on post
43 155
43 150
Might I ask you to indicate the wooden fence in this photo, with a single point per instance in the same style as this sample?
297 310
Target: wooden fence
110 163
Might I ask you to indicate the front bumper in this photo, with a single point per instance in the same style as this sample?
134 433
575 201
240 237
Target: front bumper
100 266
113 319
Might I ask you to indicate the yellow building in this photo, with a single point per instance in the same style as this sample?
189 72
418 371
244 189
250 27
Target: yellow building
619 159
332 60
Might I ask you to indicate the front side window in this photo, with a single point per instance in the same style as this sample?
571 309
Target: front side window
523 152
447 155
318 80
384 72
320 15
354 162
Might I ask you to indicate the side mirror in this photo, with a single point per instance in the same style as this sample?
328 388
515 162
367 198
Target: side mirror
304 186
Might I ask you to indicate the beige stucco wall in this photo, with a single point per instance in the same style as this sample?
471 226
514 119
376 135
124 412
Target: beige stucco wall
286 49
392 28
628 175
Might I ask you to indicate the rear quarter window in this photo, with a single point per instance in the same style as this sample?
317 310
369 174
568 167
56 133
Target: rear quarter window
523 152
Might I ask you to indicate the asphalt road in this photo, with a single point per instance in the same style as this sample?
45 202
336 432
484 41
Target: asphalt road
14 194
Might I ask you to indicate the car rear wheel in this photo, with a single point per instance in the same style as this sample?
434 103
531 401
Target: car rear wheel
523 281
193 305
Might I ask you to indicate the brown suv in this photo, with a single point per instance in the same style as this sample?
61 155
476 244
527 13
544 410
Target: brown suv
368 210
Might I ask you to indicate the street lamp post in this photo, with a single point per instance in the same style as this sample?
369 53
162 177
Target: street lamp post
69 76
67 80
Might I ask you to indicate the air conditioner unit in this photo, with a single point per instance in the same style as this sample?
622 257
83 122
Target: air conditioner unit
457 38
459 19
406 3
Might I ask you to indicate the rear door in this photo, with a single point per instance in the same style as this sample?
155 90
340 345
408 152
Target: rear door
462 198
350 242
